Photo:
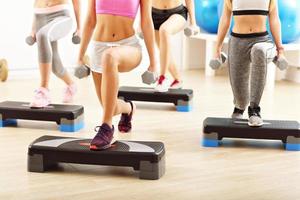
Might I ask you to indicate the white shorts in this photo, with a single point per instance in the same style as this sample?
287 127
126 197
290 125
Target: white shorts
98 48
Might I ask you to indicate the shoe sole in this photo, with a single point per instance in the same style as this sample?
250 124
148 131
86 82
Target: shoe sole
255 125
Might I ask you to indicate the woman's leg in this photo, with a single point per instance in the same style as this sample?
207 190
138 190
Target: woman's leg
57 66
172 26
239 72
51 32
261 54
115 60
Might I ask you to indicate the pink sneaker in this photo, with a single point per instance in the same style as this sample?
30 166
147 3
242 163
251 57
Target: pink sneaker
41 98
69 93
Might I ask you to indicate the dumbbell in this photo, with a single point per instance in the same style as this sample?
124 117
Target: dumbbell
149 77
3 70
191 31
217 62
281 63
76 39
83 71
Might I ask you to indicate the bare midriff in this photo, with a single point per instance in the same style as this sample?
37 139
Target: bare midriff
49 3
250 24
111 28
166 4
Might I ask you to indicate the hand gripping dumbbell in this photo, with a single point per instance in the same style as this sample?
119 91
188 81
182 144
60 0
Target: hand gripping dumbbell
216 63
281 63
149 77
83 71
191 31
76 39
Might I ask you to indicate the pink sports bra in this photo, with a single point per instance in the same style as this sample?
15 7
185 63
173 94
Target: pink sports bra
126 8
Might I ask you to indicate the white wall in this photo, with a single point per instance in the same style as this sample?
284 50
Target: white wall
15 23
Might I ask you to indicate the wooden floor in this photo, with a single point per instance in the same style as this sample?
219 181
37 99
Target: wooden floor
237 170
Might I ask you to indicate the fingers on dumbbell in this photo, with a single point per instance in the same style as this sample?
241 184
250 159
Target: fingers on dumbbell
30 40
76 39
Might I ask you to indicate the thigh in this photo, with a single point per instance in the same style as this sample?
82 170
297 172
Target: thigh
58 28
157 38
267 51
174 24
127 57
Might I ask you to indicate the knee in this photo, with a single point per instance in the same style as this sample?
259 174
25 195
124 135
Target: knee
42 38
58 71
109 60
258 54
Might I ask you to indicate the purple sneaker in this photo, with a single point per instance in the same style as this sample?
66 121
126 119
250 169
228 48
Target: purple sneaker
125 125
103 138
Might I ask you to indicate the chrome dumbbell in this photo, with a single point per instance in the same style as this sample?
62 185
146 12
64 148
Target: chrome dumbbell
216 63
149 77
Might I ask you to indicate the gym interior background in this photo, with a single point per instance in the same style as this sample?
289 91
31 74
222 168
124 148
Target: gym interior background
240 169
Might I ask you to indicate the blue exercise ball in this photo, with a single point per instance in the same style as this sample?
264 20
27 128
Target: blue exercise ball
289 14
206 15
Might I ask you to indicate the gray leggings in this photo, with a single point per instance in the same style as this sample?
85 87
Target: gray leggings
49 29
248 81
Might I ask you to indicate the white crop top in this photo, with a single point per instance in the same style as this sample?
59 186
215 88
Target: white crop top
250 7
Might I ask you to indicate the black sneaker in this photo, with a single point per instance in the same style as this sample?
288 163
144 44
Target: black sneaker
255 119
237 113
125 124
103 138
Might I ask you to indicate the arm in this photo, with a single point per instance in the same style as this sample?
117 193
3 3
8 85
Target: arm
33 28
148 31
191 8
77 11
224 25
88 30
275 27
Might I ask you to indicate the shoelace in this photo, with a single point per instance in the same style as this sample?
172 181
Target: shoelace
101 134
39 93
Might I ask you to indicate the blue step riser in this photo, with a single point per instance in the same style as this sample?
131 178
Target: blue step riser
184 108
71 127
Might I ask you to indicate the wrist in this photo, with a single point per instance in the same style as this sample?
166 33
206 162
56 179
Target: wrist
280 49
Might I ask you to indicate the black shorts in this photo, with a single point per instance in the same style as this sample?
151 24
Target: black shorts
160 16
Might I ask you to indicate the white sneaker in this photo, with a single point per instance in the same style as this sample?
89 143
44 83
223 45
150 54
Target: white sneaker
176 84
162 85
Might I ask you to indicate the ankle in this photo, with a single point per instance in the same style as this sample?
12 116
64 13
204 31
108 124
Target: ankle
161 79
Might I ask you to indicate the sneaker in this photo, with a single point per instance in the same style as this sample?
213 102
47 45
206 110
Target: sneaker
176 84
162 84
125 124
255 119
41 98
103 138
237 113
69 93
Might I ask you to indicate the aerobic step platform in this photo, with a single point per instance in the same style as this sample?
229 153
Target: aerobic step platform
215 129
70 118
147 157
180 97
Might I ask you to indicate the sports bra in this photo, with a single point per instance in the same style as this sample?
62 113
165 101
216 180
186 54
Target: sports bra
250 7
126 8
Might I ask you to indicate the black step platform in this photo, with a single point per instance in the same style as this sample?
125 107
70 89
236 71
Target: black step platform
147 157
180 97
69 117
215 129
